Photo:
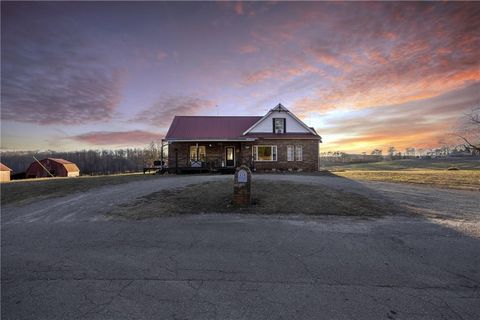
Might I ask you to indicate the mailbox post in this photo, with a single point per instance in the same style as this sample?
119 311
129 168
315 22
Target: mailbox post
241 186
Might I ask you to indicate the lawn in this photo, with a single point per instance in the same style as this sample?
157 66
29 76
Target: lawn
26 191
455 179
215 197
407 164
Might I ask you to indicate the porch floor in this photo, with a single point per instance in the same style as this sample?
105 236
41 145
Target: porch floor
191 170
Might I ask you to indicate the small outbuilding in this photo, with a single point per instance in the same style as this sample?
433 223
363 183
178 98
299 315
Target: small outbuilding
5 173
57 167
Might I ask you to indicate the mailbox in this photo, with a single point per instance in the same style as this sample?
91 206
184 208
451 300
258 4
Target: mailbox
242 186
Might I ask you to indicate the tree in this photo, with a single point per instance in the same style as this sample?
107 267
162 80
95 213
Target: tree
470 131
152 153
377 152
392 151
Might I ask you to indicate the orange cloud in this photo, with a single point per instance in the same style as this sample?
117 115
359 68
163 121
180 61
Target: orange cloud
420 124
257 76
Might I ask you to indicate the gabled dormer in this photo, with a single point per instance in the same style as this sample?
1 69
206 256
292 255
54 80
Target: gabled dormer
279 120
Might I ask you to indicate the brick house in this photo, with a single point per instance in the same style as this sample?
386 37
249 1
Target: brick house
276 141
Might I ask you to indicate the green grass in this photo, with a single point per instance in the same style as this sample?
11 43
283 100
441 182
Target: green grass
269 198
455 179
25 191
407 164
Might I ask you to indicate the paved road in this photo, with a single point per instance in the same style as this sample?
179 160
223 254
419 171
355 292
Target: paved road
61 259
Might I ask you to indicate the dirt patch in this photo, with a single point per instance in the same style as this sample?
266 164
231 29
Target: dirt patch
280 197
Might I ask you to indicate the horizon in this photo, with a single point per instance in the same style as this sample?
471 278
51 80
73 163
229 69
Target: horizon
366 76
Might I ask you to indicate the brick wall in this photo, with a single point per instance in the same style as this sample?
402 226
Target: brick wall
243 154
310 155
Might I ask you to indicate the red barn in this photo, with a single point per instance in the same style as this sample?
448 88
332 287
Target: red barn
57 167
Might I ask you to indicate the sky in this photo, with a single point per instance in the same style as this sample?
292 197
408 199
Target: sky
365 75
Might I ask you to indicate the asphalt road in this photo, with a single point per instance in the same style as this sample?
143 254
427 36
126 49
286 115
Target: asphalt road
61 259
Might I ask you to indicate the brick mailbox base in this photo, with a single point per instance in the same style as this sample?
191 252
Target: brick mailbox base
242 186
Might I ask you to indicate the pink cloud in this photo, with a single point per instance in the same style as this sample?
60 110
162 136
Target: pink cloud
161 55
248 48
238 7
122 138
257 76
162 112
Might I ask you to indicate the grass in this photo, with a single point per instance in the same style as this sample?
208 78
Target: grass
26 191
457 179
215 197
408 164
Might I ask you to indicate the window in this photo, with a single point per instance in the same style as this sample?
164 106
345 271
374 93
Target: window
264 153
299 153
279 125
290 153
202 155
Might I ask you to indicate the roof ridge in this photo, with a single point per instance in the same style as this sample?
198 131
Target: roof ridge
218 116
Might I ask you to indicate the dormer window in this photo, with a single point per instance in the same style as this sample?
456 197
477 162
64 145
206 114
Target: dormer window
279 125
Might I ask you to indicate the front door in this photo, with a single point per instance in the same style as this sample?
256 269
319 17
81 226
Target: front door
230 156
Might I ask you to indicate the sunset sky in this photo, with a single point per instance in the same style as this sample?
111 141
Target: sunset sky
110 75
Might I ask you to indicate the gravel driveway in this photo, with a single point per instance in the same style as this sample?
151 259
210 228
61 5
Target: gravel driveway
62 259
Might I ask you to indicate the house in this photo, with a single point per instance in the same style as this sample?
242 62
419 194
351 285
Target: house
276 141
57 167
5 173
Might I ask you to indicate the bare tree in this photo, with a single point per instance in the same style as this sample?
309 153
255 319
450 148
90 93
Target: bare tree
470 131
152 153
392 151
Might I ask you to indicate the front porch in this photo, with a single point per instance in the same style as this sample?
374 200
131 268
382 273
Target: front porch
208 156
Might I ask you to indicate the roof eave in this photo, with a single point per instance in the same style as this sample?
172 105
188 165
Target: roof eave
208 139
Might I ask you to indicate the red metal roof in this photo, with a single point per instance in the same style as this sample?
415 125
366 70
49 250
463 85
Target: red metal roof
4 167
209 127
62 161
271 135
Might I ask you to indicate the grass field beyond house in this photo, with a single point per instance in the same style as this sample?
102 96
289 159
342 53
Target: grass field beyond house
407 164
455 179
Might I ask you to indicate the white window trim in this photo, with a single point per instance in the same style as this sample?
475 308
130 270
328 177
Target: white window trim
296 154
284 124
292 147
255 152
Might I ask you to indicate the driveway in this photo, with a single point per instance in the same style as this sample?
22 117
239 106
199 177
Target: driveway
62 259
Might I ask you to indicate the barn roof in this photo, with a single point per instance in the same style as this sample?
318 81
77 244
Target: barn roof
69 166
62 161
4 167
209 127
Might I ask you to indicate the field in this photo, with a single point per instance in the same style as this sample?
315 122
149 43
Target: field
25 191
461 179
466 175
407 164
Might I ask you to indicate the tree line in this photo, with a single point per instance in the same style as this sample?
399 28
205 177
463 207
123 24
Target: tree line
90 162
